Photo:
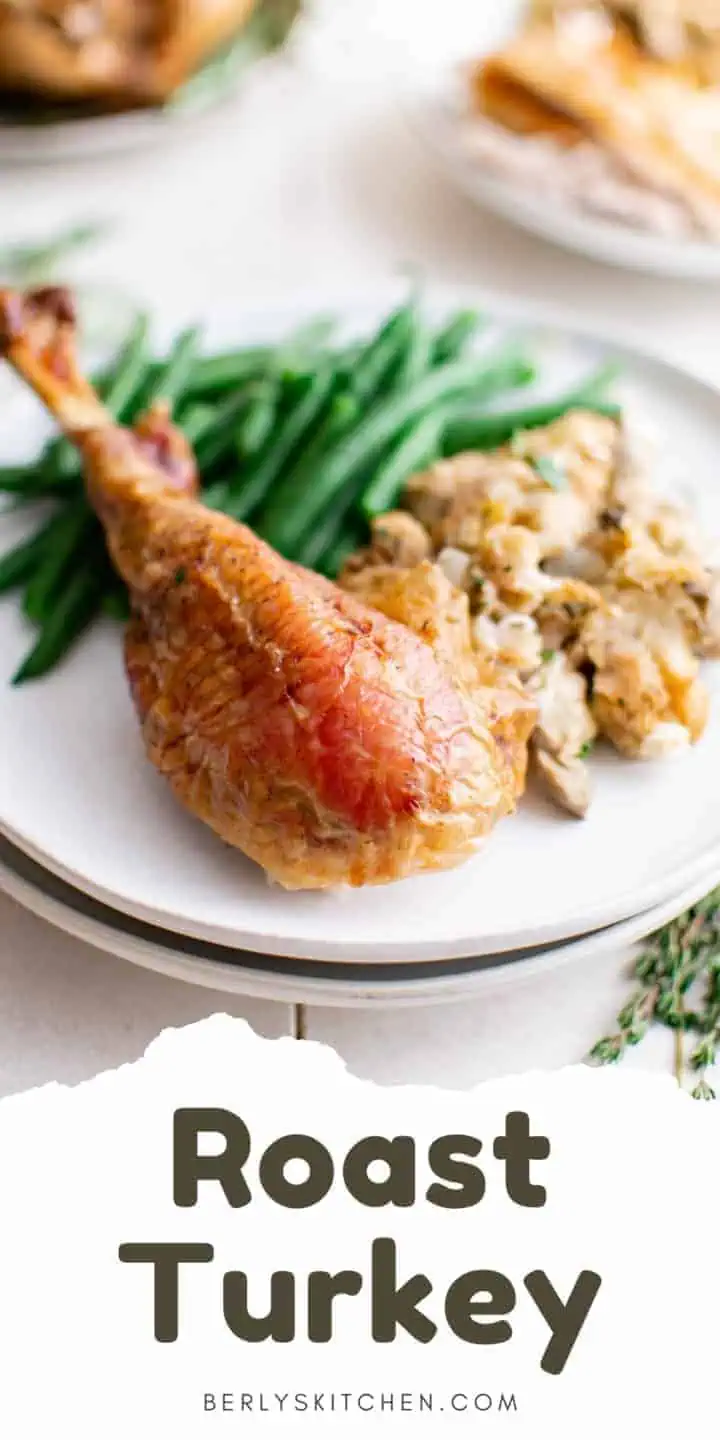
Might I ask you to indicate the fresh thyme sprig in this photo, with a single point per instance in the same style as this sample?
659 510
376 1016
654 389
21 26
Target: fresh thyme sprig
107 313
674 959
705 1054
29 264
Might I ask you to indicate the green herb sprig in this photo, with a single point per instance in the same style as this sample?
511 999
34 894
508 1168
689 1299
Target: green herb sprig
31 263
267 30
675 960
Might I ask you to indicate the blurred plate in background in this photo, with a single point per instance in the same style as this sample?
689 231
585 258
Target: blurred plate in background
63 141
52 138
433 97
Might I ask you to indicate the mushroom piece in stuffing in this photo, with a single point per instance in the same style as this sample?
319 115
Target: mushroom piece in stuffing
563 735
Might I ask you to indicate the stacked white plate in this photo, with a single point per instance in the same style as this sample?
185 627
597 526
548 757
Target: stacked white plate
93 840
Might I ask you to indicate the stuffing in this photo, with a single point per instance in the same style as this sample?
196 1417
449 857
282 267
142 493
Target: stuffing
550 480
560 571
395 539
644 679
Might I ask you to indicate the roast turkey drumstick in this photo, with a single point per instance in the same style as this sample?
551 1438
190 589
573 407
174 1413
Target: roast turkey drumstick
330 744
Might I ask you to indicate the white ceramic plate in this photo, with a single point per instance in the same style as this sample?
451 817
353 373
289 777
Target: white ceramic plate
311 983
95 139
467 31
77 795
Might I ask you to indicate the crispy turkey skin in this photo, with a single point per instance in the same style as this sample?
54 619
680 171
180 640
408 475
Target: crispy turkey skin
328 742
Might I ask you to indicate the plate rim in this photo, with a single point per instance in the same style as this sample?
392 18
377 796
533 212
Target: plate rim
257 982
359 953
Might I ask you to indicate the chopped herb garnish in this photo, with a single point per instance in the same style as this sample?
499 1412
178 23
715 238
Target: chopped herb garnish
585 750
549 471
547 655
180 575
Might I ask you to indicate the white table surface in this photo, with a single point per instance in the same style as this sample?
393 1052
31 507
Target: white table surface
313 180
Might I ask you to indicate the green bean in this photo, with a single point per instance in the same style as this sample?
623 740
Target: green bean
213 374
232 368
196 421
345 361
310 336
486 432
599 381
216 495
236 496
129 370
71 615
116 602
454 337
18 479
217 439
326 534
342 415
257 484
18 564
415 362
256 426
58 561
58 462
359 449
344 545
417 448
293 384
383 352
170 379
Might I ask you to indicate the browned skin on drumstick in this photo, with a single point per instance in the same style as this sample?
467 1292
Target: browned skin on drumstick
330 744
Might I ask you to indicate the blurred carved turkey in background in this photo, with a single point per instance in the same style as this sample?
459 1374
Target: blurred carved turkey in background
670 30
110 55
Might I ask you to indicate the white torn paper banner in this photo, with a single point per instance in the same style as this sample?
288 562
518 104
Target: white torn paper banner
534 1257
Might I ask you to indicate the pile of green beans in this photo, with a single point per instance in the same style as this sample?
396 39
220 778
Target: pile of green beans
305 441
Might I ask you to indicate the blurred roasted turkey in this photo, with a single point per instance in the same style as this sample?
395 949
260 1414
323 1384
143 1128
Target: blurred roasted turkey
671 30
332 743
110 54
621 127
